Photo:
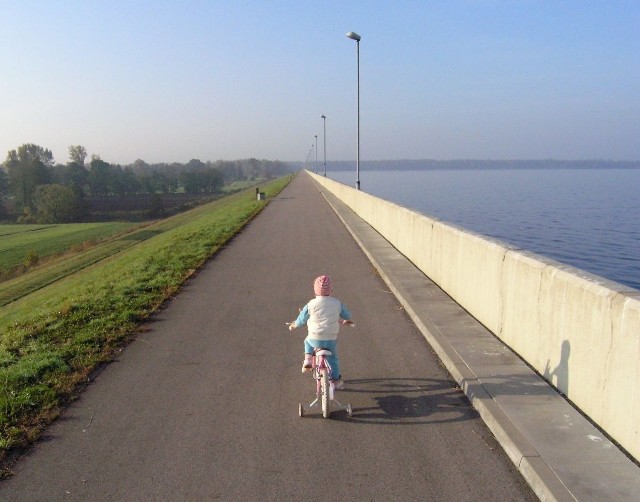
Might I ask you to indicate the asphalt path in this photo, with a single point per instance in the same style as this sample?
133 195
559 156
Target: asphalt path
203 404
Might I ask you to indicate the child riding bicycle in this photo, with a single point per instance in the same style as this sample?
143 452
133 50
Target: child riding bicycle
323 315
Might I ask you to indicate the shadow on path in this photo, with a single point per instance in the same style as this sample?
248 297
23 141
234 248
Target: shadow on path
406 401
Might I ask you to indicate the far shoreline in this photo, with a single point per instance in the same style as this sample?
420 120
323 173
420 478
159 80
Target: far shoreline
466 164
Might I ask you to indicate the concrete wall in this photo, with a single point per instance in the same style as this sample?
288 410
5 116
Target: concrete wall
578 330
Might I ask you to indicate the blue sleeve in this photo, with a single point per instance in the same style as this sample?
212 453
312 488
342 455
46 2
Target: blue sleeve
303 317
344 313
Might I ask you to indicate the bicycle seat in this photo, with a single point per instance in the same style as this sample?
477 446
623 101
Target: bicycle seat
323 352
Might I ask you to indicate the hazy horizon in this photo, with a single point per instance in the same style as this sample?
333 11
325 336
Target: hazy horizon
466 79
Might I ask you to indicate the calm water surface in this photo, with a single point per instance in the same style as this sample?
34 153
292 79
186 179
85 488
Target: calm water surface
587 218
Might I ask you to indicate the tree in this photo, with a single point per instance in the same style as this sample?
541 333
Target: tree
130 183
229 170
55 204
31 152
170 176
27 167
139 167
4 191
99 177
77 154
253 169
74 175
190 181
196 181
117 181
212 180
4 183
195 165
3 212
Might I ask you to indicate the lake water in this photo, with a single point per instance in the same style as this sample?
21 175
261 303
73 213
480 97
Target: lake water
587 218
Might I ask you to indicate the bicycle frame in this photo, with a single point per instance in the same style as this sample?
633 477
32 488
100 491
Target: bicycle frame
320 366
325 388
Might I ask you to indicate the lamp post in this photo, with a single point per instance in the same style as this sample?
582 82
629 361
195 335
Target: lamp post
308 155
324 137
356 37
316 164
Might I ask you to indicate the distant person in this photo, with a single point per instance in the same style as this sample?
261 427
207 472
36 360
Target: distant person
323 316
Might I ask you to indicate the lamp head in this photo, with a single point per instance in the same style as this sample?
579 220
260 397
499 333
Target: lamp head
353 36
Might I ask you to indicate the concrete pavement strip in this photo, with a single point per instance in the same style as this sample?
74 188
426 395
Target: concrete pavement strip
557 450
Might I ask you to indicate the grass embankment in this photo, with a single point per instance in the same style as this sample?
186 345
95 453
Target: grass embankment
62 260
51 340
22 246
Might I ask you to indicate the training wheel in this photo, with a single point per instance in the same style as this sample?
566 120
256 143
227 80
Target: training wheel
300 410
349 411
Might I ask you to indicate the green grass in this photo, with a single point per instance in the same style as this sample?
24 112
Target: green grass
241 185
52 339
20 242
27 283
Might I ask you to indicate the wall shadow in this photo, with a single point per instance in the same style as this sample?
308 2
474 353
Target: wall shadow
405 401
561 371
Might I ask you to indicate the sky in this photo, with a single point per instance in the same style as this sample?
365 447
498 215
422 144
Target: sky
170 81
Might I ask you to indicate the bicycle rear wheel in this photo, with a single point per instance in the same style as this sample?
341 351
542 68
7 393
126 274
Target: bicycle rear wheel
325 387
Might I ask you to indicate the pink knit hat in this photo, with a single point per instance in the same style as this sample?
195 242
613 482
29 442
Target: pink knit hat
322 286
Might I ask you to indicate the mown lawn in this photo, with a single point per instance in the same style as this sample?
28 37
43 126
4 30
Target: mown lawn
52 339
18 243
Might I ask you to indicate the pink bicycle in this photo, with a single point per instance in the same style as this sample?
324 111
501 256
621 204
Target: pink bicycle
325 388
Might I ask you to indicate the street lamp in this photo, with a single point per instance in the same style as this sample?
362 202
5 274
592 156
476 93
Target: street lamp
324 137
316 164
356 37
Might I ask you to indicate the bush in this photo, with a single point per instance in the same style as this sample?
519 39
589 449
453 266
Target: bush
56 204
31 259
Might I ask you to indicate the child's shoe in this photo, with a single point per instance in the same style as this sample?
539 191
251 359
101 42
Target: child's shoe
307 364
338 384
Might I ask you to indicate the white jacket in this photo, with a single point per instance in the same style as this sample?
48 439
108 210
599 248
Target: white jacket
322 317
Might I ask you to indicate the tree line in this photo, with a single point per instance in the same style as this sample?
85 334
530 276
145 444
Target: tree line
37 189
